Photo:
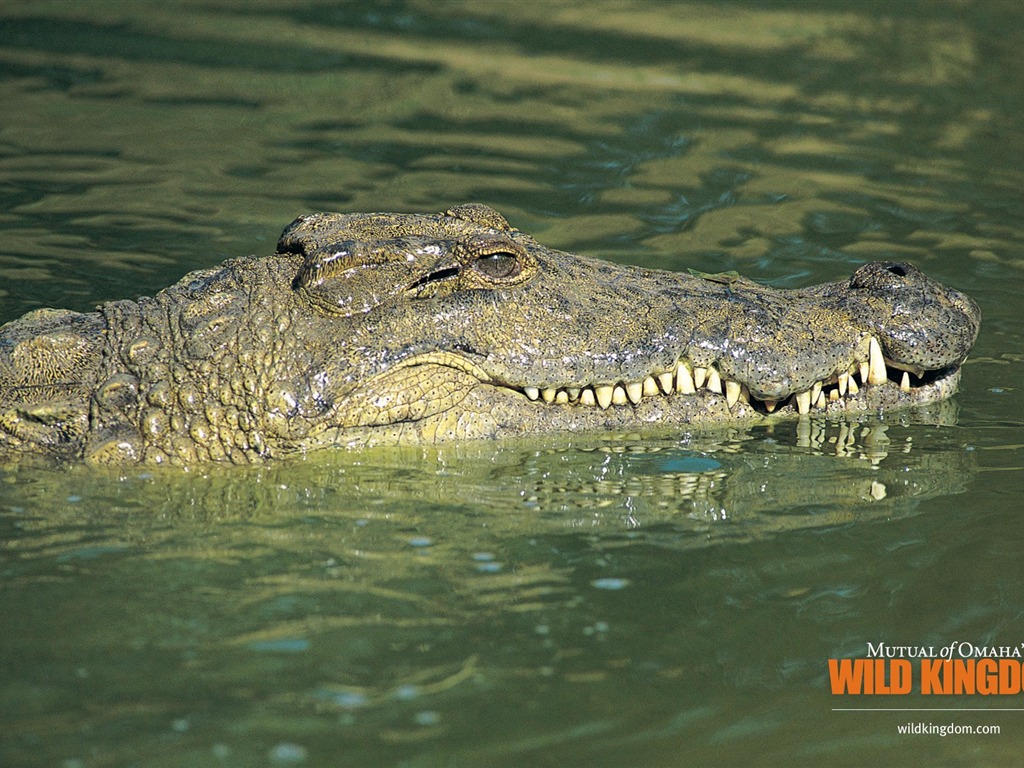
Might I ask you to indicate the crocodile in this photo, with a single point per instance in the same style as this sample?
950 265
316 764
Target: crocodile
380 328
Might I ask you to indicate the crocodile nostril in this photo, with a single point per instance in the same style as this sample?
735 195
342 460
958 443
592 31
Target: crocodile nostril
897 269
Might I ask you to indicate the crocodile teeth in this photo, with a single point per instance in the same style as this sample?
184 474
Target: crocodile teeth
619 395
700 375
684 378
714 382
685 384
876 373
803 401
732 392
667 381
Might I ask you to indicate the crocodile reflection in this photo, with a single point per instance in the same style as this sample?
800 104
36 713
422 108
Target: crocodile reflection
737 483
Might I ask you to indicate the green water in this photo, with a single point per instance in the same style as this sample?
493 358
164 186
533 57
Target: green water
614 600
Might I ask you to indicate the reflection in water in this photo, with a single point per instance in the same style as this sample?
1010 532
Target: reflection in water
394 593
410 595
732 476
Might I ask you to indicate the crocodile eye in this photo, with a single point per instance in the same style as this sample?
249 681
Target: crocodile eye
498 266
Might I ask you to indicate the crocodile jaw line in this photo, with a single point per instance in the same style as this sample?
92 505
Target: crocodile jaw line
837 392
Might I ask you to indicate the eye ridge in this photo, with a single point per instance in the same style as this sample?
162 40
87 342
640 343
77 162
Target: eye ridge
498 265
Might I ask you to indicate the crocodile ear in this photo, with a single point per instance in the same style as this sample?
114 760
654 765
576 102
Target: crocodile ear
478 213
352 277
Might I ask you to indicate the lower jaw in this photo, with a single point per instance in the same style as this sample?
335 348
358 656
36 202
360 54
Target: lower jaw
889 397
488 412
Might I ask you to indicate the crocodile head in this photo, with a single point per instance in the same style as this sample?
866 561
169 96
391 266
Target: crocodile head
392 328
457 325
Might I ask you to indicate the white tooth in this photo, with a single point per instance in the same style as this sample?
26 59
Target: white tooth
587 397
803 401
684 379
877 374
532 392
548 394
822 401
852 389
865 369
562 398
635 391
604 395
700 375
650 387
619 395
815 391
714 381
769 405
844 378
667 381
905 382
732 392
833 395
574 393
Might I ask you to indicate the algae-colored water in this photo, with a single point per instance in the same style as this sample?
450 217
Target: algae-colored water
630 599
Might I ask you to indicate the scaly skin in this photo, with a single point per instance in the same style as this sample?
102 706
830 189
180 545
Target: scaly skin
391 328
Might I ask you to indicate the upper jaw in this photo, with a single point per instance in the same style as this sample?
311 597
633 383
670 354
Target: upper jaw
816 348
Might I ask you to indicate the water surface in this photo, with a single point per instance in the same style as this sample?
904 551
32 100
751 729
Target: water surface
630 599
